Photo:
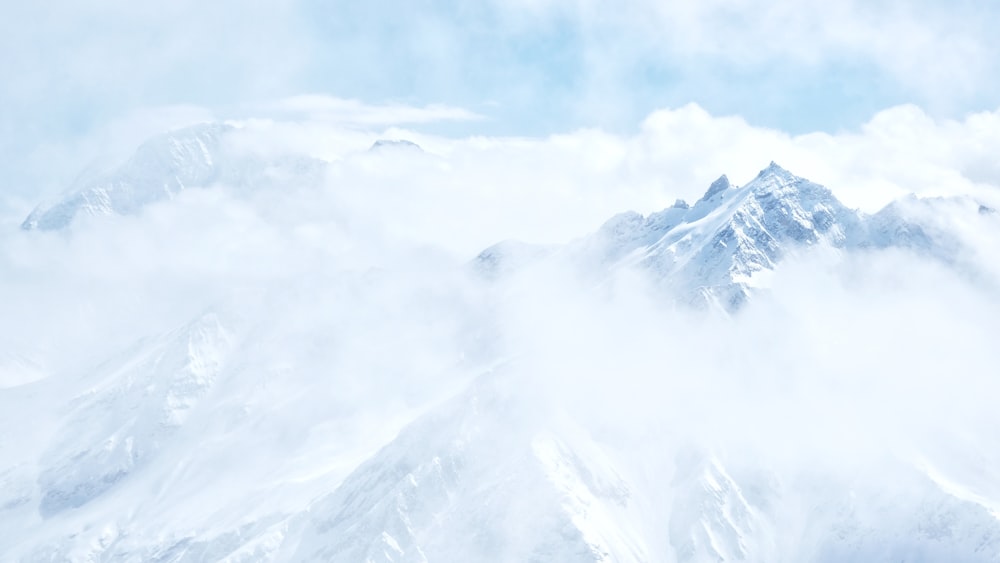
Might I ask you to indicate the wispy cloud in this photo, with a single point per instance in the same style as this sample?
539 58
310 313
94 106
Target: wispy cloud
345 302
341 111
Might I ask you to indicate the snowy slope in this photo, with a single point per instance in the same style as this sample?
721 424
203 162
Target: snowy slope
479 479
201 443
194 157
488 476
378 416
193 446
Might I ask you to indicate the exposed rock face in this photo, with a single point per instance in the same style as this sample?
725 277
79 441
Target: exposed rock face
709 252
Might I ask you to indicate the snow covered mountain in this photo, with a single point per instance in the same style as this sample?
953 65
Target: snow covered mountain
194 157
182 447
490 475
380 417
713 251
394 144
440 491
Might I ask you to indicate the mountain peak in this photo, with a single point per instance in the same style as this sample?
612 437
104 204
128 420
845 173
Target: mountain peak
718 186
197 156
710 253
395 144
775 170
159 168
776 180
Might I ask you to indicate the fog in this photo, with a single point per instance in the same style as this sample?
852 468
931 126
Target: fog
833 328
353 306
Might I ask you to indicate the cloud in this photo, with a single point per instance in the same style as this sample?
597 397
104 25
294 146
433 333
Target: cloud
822 365
899 150
49 165
460 195
349 301
164 53
76 69
937 52
414 212
533 67
554 188
353 112
349 313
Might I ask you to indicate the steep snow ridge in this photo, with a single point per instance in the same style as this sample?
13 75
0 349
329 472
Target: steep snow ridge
491 475
160 167
203 444
715 251
709 251
477 480
593 493
485 477
394 144
194 157
751 230
711 519
123 419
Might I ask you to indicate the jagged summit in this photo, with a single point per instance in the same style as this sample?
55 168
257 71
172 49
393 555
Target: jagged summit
718 186
775 169
715 250
382 144
711 252
308 419
775 177
159 168
163 166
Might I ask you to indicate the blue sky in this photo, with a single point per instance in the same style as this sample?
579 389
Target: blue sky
560 72
531 67
543 66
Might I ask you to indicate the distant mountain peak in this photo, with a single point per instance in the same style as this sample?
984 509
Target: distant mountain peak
159 168
720 185
198 156
774 171
707 253
777 181
394 144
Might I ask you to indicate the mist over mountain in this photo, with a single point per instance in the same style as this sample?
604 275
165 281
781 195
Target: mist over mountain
162 167
499 281
225 351
718 250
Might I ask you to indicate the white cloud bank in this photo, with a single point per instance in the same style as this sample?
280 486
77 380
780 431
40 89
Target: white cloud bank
554 188
941 53
551 189
349 313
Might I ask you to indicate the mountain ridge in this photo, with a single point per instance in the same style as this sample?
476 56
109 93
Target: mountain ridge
708 253
243 435
162 167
